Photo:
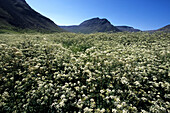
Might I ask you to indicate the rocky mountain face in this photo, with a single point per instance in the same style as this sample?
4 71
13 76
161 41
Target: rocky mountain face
17 14
91 26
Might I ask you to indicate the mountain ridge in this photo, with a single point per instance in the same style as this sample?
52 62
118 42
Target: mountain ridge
17 14
162 29
92 26
165 28
127 29
100 25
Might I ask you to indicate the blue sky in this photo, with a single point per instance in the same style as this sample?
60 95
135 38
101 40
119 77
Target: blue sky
141 14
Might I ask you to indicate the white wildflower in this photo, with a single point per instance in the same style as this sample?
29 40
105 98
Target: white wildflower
102 91
124 80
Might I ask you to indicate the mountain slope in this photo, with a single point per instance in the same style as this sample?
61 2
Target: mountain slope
91 26
17 14
166 28
127 28
163 29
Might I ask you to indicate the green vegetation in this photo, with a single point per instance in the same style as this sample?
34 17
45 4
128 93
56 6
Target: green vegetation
15 30
101 73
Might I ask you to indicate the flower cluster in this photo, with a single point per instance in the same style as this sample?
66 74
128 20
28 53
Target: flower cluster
101 73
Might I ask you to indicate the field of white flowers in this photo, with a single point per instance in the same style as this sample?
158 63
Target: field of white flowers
95 73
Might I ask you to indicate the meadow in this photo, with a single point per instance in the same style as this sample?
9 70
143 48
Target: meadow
90 73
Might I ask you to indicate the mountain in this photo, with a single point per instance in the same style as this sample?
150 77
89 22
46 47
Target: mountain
91 26
166 28
127 28
163 29
18 15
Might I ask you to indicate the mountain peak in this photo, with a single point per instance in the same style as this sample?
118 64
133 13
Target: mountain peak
94 22
92 26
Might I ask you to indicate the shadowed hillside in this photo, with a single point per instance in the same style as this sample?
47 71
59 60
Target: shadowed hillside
17 15
127 28
166 28
91 26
